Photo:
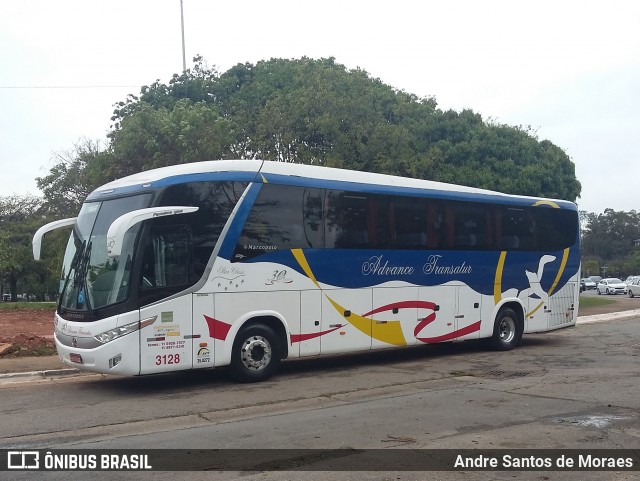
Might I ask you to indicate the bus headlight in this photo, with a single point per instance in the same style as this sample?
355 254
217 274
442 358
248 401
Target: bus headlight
112 334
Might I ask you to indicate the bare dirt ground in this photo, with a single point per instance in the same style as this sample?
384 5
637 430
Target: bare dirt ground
26 332
30 332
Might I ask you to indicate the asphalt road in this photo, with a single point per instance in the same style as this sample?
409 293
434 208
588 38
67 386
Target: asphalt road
570 389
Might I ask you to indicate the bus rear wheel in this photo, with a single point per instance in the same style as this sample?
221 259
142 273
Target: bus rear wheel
507 330
256 354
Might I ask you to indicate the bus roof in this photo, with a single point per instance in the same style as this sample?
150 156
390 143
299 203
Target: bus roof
288 172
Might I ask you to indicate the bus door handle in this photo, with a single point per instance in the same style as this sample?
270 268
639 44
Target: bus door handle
335 325
381 322
461 316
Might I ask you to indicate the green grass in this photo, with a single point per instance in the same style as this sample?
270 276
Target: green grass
38 306
591 301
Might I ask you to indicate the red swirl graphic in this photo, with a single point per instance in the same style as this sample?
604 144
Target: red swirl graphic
425 321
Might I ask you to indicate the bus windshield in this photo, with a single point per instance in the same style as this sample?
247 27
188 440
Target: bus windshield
90 279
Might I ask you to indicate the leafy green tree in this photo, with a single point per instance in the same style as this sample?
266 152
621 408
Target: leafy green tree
591 266
17 216
314 112
156 137
75 174
613 237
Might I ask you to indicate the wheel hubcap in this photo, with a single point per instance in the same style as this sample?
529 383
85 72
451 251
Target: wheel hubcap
256 353
507 330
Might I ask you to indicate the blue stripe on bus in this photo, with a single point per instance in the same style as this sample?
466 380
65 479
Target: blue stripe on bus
354 269
238 221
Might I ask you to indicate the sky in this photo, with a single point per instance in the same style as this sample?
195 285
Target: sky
569 70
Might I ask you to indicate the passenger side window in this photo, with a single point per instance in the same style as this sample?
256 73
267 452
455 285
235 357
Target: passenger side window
166 260
556 228
283 217
408 223
176 249
356 220
514 229
469 226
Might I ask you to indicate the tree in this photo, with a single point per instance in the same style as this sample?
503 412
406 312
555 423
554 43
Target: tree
314 112
18 214
156 137
614 239
75 174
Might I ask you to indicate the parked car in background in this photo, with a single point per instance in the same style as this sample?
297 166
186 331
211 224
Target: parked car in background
595 279
634 287
586 284
630 279
611 285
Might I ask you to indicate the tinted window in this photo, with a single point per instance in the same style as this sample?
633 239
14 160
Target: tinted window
288 217
356 221
408 218
515 228
283 217
556 228
469 226
176 249
215 200
416 223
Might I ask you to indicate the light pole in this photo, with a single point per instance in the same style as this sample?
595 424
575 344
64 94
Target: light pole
184 59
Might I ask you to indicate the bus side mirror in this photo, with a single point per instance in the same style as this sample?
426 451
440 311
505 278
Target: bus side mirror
117 229
37 237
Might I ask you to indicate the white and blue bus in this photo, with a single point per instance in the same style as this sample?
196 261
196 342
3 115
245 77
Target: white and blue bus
245 263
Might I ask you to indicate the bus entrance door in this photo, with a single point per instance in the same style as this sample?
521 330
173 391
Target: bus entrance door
166 345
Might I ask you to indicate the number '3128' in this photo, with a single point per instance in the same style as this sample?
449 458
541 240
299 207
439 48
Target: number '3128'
168 359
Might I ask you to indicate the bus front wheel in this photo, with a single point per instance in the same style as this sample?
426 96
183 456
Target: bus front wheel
507 330
256 354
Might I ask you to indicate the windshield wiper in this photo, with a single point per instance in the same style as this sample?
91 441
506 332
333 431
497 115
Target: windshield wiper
82 285
78 285
73 269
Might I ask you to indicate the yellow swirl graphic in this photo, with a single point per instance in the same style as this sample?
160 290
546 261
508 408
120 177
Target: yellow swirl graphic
389 332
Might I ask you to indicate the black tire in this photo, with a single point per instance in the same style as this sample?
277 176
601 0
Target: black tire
630 294
507 330
256 354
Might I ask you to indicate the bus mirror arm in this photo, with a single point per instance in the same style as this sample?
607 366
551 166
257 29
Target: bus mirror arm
118 228
37 237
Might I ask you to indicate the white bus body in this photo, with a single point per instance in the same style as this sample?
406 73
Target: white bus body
245 263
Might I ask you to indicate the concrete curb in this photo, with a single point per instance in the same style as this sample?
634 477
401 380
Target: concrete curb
37 375
54 373
608 317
